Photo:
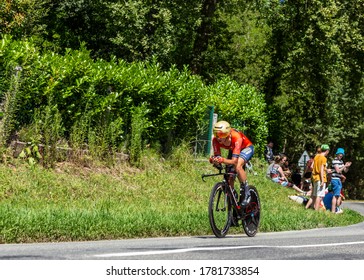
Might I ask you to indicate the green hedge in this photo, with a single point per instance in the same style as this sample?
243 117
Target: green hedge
93 95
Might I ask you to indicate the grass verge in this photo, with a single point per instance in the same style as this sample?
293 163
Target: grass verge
162 198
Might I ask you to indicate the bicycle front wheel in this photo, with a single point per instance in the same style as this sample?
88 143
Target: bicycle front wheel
251 216
220 210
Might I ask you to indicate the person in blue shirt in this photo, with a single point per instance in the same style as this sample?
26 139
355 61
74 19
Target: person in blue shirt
337 177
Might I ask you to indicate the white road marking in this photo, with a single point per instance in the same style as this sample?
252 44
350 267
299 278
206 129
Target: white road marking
185 250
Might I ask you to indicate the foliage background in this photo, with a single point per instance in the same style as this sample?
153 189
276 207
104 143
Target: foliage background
97 99
302 61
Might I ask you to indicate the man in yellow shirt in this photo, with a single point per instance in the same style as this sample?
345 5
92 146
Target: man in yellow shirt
319 177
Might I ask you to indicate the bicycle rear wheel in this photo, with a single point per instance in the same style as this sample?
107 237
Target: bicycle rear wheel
220 210
251 216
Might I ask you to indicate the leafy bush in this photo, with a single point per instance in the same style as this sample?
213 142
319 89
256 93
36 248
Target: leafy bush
95 100
243 107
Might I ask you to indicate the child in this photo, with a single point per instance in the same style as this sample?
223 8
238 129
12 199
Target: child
319 177
337 177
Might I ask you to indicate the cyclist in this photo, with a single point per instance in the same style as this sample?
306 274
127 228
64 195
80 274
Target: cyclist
240 148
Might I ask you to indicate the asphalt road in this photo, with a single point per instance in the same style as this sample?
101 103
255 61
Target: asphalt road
322 244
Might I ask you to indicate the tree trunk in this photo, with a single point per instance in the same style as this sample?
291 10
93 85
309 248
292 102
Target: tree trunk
203 34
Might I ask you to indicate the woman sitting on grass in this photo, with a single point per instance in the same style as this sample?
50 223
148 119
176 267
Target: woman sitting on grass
277 175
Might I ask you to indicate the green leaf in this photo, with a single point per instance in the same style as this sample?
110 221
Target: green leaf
22 154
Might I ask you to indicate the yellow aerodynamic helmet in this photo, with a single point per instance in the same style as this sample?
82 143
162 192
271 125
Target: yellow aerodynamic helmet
221 129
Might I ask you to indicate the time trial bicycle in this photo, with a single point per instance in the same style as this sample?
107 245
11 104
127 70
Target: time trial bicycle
225 208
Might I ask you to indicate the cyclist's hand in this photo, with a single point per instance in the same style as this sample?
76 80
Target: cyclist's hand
215 160
218 160
211 159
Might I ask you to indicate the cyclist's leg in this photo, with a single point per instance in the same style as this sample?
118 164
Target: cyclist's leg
230 169
240 170
244 189
245 155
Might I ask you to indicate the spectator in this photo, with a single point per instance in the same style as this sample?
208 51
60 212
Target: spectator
337 177
328 199
319 177
285 167
297 177
277 175
268 152
306 184
308 168
282 159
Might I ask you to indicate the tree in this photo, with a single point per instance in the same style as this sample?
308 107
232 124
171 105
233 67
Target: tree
22 19
316 83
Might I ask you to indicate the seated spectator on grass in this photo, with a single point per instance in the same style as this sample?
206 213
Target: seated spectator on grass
277 175
296 176
328 199
286 168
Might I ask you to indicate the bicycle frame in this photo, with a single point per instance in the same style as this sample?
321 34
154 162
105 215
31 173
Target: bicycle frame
223 198
227 176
